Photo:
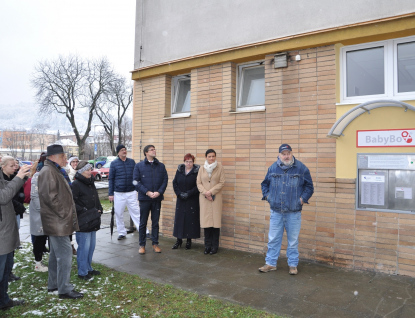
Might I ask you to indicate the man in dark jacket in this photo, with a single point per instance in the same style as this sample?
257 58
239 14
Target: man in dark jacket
121 190
150 179
58 214
286 187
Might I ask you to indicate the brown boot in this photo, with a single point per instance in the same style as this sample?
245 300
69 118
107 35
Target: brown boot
156 249
142 250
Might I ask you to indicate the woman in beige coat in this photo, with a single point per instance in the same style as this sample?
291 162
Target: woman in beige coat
210 181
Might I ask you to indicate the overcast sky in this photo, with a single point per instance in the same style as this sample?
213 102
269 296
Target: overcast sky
35 30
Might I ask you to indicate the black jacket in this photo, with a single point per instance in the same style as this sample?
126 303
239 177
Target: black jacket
18 199
187 217
85 194
150 177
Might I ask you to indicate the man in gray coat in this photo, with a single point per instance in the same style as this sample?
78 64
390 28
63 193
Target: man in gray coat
58 214
9 234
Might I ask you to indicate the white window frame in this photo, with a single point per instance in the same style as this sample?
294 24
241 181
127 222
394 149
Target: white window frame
174 95
247 108
390 71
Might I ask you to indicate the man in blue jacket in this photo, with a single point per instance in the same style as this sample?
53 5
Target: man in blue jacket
286 187
121 190
150 179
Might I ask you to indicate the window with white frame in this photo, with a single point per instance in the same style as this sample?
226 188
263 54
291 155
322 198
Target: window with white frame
384 69
251 85
180 95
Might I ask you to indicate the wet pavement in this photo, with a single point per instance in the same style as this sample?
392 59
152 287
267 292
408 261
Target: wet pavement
317 291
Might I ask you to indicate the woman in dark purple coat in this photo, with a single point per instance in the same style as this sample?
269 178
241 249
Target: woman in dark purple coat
186 220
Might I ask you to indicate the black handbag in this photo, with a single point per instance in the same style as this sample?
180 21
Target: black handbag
89 220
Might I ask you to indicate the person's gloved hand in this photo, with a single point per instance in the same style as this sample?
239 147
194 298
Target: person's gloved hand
184 195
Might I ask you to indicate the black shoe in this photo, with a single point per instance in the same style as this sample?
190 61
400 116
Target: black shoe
51 290
12 303
94 272
189 244
86 277
213 251
13 278
177 244
207 250
121 237
73 294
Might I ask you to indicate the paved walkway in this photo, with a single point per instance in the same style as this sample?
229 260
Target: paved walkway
317 291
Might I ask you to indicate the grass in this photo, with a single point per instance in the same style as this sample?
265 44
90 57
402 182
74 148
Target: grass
112 294
106 205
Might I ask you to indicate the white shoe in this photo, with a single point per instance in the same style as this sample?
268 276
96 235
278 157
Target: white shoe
39 267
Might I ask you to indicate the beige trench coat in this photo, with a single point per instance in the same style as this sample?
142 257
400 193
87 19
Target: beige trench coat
211 211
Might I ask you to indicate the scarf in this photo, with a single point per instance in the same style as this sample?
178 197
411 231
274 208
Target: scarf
63 171
209 168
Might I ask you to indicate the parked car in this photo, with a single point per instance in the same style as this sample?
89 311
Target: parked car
99 162
102 173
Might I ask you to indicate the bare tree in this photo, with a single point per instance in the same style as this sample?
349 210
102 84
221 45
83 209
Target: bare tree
118 98
69 84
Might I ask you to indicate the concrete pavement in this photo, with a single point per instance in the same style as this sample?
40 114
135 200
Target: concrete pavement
317 291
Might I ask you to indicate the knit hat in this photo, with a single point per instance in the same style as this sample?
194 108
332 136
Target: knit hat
54 150
119 147
83 166
72 158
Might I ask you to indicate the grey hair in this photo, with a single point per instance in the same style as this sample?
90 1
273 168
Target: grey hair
5 160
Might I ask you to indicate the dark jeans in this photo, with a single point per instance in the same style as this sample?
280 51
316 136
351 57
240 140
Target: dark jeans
145 208
212 237
39 242
6 265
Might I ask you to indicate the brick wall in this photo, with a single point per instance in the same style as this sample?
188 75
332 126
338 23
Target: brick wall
300 109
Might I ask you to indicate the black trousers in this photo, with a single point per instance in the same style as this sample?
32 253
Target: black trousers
212 237
147 207
38 246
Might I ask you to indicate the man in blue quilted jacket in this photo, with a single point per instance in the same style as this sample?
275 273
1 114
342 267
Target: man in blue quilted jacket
150 179
121 190
286 187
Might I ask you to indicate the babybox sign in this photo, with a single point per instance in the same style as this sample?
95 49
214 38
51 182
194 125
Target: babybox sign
386 138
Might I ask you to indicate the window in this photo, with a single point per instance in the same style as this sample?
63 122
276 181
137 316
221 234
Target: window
181 95
378 70
251 85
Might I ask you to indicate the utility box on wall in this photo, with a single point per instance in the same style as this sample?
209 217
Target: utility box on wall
386 182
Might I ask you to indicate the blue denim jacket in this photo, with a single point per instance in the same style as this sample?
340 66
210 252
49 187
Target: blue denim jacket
283 189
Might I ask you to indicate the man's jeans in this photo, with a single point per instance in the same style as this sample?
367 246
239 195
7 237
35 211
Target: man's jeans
6 265
292 224
60 263
86 246
145 207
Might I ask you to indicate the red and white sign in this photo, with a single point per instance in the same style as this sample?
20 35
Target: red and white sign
386 138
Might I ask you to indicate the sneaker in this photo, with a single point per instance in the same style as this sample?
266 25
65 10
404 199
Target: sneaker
121 237
86 277
39 267
13 278
94 272
12 303
267 268
293 270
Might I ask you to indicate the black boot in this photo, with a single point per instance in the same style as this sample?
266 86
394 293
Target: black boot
189 244
177 244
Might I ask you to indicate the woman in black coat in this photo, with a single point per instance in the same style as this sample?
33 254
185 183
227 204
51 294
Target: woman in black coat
88 210
186 220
